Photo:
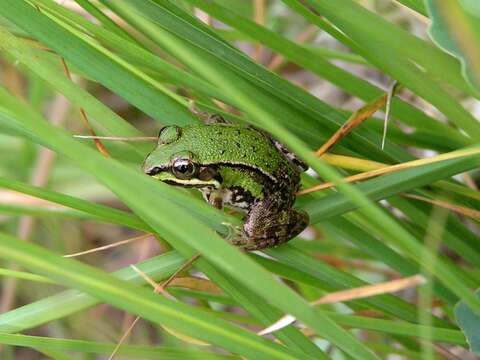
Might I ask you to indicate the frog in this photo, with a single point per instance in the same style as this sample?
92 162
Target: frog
235 166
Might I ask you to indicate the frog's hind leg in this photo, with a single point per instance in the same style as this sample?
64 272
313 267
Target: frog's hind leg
263 229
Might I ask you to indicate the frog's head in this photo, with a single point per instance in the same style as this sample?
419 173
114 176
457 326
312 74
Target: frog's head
173 163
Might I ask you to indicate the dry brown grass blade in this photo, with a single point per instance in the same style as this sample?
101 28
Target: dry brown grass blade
389 169
357 118
103 150
110 246
462 210
16 198
352 163
195 283
371 290
352 294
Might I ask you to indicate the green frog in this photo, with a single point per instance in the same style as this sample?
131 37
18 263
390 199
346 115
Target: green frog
237 166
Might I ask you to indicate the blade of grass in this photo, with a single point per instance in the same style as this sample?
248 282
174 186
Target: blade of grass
44 66
98 63
149 196
133 52
251 102
391 184
105 20
297 108
437 64
71 301
144 352
321 67
140 301
104 212
351 18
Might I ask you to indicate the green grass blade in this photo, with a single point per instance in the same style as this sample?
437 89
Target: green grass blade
98 63
140 301
71 301
351 18
141 352
102 212
149 196
307 59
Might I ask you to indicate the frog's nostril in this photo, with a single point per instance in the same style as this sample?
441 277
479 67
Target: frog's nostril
153 171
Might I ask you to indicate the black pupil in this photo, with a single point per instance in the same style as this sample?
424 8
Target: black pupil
183 168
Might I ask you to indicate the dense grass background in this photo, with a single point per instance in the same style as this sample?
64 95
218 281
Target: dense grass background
298 69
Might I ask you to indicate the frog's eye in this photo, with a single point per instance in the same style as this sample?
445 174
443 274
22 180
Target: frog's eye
183 169
169 134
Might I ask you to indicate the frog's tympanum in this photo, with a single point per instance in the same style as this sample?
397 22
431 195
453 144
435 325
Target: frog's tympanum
236 166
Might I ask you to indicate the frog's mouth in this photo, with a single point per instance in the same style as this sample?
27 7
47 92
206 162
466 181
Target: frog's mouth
168 178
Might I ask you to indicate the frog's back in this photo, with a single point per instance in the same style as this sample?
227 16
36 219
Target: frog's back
242 145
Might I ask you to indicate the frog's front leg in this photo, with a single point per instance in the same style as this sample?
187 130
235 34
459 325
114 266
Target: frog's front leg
214 197
264 228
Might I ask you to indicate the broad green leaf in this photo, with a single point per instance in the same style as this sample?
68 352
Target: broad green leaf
455 29
469 322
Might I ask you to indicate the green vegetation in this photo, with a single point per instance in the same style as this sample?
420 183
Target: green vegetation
136 65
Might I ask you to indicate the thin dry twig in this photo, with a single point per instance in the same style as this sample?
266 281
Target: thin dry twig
110 246
462 210
357 118
388 105
103 150
371 290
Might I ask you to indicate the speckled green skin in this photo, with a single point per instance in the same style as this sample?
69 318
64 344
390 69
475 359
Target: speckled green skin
222 143
252 174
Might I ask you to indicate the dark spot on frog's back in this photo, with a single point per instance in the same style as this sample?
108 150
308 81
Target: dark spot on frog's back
222 151
237 144
254 149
